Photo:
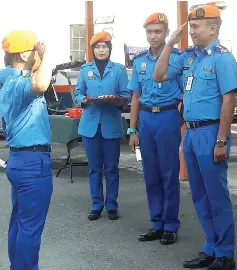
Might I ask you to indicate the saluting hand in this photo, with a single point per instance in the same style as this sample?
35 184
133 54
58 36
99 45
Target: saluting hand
220 154
176 36
40 48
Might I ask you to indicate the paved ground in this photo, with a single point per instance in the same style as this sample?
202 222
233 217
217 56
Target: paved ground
71 242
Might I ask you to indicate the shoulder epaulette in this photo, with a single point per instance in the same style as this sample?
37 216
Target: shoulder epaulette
177 51
140 54
87 64
190 48
221 49
25 73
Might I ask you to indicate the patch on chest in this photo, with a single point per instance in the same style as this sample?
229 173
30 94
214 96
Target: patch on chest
190 61
90 75
186 68
143 66
143 69
209 69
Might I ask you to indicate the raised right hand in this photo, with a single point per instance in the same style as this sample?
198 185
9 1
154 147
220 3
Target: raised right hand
133 141
40 48
176 36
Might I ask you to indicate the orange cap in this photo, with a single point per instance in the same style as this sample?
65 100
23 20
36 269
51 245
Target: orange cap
204 12
156 18
100 37
19 41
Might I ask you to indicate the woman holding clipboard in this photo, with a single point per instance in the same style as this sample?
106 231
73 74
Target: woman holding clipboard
102 91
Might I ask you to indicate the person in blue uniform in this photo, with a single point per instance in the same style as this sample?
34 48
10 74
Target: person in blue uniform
159 127
29 167
4 73
210 84
101 124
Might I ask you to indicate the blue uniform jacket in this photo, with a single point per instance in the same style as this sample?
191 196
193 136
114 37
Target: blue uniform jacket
114 82
207 76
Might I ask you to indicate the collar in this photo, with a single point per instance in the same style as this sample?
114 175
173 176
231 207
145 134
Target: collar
149 55
209 49
18 72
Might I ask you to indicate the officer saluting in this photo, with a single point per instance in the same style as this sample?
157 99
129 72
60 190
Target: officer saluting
210 84
156 106
29 167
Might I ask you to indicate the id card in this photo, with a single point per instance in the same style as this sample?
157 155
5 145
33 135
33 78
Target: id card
189 83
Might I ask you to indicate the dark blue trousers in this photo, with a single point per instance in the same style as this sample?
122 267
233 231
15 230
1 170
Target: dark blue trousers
160 137
30 175
210 194
103 156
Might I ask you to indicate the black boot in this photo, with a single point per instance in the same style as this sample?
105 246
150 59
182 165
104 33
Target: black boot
94 214
168 238
202 261
152 235
223 263
113 214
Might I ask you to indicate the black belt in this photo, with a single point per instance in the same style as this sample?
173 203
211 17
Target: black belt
35 148
159 109
201 123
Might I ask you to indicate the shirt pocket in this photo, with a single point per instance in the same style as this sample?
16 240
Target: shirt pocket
146 84
208 83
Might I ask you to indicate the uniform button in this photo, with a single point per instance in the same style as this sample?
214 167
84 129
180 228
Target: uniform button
99 86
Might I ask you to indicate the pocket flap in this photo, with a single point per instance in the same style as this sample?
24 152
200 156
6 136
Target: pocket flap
207 75
143 78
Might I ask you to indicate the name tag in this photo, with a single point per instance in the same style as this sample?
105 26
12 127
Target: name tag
189 83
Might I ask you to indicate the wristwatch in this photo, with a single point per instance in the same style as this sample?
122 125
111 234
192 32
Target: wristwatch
131 130
220 143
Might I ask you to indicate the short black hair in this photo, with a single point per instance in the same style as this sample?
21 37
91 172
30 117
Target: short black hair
217 21
8 59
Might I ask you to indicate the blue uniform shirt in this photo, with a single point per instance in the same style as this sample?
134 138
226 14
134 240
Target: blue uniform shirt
25 113
153 93
4 73
213 74
90 83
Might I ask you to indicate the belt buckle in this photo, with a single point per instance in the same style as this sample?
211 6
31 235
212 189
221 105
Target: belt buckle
155 109
188 125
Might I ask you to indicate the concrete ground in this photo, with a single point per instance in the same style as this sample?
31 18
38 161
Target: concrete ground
71 242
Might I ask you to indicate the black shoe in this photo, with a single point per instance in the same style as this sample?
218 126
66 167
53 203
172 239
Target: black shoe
113 214
94 214
168 238
152 235
223 263
202 261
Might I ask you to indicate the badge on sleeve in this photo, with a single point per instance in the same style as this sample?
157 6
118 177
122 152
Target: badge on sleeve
90 75
189 83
